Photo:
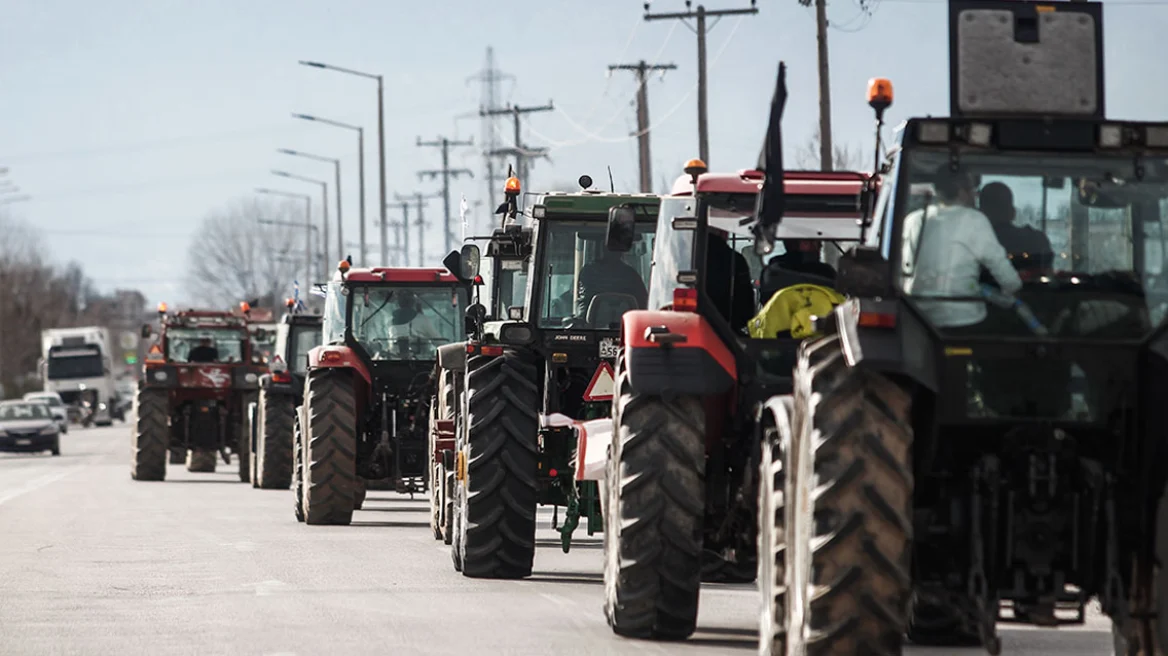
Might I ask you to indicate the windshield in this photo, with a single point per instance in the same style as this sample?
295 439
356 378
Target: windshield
406 322
75 363
49 399
24 411
335 300
588 286
205 344
1078 238
302 339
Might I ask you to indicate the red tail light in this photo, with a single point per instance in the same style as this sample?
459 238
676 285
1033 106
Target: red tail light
492 350
685 299
281 377
877 320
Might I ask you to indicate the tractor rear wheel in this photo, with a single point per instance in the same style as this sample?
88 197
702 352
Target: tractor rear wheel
298 465
501 496
275 414
654 516
330 463
202 462
775 431
151 437
851 586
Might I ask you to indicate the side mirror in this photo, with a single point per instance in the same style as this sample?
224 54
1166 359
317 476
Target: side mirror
622 225
475 314
463 264
146 331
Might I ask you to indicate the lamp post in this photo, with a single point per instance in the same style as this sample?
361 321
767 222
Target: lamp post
380 140
307 224
323 200
360 170
337 192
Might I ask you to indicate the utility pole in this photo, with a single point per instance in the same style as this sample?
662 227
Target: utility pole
403 243
420 199
701 14
642 70
446 172
491 78
521 153
826 151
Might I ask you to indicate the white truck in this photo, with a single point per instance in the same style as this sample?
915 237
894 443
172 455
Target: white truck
77 364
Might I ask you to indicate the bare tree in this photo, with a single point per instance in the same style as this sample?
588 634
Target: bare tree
235 257
844 157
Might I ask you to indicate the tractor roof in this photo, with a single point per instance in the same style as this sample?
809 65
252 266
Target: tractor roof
204 319
586 202
748 181
400 274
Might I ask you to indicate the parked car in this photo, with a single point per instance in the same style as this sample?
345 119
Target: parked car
57 407
28 426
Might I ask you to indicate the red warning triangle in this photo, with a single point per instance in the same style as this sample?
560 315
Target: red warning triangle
603 384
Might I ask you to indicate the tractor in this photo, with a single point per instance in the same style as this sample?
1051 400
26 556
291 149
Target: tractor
979 436
548 355
366 404
270 419
197 381
509 252
693 375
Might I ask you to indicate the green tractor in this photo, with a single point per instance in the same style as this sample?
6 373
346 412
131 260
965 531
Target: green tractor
533 369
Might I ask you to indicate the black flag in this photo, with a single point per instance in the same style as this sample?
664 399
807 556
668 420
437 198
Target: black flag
768 210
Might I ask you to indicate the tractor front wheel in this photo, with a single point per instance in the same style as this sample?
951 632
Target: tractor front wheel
330 463
151 437
775 432
501 486
654 516
851 576
275 414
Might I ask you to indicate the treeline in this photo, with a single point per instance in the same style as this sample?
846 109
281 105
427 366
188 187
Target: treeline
36 295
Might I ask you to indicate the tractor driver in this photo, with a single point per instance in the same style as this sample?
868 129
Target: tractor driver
1028 248
609 274
204 352
800 264
408 320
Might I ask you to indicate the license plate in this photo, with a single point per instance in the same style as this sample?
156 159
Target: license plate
609 347
23 442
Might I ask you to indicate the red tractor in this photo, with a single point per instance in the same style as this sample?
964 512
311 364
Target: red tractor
366 408
694 386
198 379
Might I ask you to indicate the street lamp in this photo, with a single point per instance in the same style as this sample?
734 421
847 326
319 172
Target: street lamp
360 167
340 221
323 200
380 139
307 223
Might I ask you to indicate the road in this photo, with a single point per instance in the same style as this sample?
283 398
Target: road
94 563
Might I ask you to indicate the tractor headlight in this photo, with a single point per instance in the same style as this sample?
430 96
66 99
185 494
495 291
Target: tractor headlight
160 376
250 378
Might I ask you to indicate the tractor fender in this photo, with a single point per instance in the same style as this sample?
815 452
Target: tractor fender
336 356
667 352
903 345
452 357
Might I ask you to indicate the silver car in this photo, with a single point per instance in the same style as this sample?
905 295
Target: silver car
28 426
56 407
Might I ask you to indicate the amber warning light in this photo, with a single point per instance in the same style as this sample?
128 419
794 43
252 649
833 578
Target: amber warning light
512 186
879 93
162 308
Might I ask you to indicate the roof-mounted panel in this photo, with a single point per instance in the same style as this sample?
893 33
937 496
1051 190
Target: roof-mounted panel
1024 58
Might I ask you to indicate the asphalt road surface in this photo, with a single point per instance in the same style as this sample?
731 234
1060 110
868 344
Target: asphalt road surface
94 563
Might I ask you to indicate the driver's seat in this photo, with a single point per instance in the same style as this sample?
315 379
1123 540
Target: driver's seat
606 309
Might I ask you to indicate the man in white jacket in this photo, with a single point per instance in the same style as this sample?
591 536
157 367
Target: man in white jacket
946 244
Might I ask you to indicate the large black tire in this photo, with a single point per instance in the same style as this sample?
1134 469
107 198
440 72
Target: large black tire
274 414
151 437
501 496
1130 637
243 438
298 465
855 434
775 431
202 462
330 463
653 520
252 444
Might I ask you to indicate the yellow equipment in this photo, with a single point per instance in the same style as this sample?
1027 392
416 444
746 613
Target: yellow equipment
791 309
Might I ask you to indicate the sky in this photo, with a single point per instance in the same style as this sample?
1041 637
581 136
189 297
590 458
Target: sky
127 122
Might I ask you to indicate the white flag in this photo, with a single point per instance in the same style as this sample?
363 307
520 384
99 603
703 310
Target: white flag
462 208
